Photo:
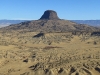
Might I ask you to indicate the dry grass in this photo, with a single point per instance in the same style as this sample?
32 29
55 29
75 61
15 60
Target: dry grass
50 54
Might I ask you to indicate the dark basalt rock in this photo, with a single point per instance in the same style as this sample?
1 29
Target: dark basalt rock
50 15
95 33
39 35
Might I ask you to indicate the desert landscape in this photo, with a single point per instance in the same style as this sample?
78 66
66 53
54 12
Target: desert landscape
49 46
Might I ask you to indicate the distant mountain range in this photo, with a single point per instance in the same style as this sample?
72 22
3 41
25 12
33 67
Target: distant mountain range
95 23
4 22
89 22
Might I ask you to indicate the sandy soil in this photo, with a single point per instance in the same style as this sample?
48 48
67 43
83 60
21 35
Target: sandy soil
51 54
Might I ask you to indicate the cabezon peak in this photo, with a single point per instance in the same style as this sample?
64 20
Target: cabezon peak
50 15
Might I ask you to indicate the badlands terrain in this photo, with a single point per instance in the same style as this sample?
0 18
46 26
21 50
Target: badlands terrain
49 46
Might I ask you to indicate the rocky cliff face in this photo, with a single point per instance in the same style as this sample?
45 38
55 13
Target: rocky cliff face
50 15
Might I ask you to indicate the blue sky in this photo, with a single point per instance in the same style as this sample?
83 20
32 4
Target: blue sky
66 9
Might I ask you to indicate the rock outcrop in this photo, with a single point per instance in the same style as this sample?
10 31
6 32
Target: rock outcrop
50 15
